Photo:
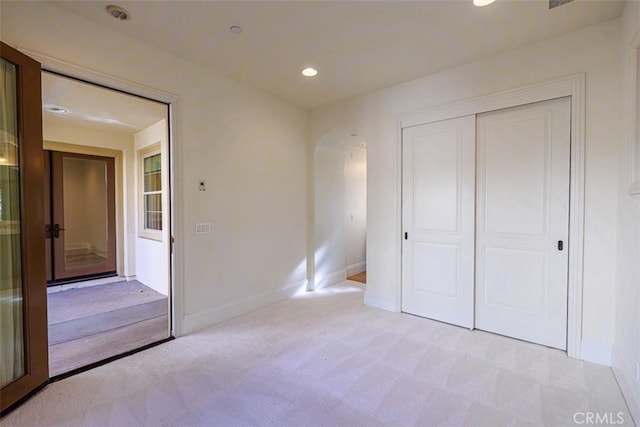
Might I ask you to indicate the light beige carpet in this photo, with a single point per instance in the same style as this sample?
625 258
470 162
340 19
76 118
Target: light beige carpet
325 359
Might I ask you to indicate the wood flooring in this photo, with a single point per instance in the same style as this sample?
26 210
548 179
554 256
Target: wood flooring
90 324
360 277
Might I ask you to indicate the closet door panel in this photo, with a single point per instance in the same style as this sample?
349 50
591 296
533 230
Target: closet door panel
438 219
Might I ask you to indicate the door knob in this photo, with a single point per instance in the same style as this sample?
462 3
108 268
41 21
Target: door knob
57 230
560 245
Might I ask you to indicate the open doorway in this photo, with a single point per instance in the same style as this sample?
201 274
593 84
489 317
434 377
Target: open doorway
107 206
340 209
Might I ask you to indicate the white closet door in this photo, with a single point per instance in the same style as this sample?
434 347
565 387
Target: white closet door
522 214
438 219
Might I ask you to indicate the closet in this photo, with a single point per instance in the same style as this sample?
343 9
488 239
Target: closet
485 215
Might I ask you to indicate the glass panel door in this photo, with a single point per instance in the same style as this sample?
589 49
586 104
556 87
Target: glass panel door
83 229
23 303
12 352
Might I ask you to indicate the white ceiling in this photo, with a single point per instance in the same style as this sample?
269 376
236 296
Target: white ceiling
95 107
358 46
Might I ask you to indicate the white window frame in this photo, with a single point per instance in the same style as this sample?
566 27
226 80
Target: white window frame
143 231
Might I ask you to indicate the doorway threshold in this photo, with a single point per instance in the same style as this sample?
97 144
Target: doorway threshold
85 282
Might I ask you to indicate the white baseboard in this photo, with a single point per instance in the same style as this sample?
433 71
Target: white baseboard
377 301
356 268
624 370
596 352
204 319
330 279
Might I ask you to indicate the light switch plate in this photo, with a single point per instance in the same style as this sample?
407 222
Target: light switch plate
203 228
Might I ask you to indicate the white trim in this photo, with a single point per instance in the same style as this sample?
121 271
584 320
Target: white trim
596 352
329 279
573 86
398 299
175 156
506 99
206 318
628 385
632 126
381 302
357 268
50 63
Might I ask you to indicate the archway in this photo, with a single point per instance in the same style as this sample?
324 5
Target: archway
340 208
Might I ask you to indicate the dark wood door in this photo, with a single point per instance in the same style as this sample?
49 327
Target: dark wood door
48 217
83 227
23 324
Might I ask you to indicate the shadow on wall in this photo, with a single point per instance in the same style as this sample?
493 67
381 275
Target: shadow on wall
340 194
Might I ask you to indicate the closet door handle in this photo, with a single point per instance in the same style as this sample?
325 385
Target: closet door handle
57 230
560 245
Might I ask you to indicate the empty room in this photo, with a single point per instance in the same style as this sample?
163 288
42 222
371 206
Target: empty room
475 162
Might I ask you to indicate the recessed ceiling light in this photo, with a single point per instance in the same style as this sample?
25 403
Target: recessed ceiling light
309 72
55 109
235 29
481 3
118 12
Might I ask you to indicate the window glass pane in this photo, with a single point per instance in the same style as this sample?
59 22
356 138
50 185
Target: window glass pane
152 173
152 181
153 211
11 296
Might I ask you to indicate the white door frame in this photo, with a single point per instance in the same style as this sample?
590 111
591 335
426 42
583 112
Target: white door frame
175 155
573 86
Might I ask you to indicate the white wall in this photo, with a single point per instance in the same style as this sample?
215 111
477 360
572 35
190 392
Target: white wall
249 146
355 193
596 52
152 256
56 131
626 349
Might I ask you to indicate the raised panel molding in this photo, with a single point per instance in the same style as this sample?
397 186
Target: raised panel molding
442 173
444 284
515 189
519 260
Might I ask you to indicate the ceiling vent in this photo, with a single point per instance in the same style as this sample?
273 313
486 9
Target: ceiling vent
556 3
